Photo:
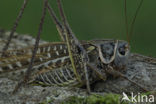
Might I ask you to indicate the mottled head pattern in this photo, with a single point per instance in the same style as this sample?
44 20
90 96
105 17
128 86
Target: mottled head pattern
122 55
113 52
107 51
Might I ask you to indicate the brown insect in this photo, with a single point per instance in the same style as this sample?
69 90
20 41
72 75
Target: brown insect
69 62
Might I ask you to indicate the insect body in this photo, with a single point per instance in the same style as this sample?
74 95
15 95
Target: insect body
65 75
52 65
70 62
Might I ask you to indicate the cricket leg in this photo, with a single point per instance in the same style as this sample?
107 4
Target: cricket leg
14 27
119 74
74 47
26 77
59 26
102 76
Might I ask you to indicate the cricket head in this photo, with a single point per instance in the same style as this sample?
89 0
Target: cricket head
114 53
122 55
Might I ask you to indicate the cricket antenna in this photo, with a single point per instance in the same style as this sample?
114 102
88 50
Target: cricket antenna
126 22
129 33
134 19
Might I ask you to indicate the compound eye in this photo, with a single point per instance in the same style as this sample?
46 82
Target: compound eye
122 52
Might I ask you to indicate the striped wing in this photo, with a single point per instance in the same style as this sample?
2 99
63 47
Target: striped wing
20 59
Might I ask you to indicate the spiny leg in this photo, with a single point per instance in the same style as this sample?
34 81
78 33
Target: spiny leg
26 77
14 27
73 46
58 24
61 29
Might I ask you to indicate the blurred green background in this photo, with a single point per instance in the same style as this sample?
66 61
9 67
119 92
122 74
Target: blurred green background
89 19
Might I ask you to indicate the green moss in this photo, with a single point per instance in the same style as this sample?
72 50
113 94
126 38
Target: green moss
142 94
94 99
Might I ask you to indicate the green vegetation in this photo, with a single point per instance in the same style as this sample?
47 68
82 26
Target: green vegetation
94 99
91 99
